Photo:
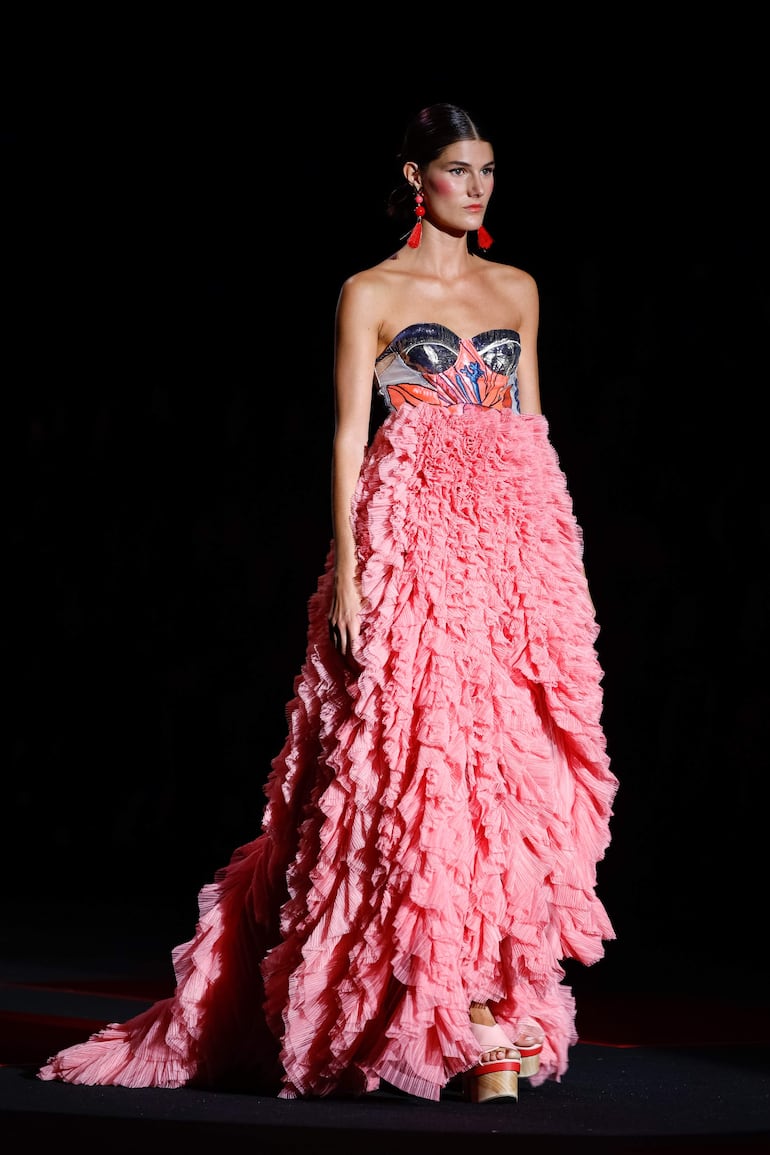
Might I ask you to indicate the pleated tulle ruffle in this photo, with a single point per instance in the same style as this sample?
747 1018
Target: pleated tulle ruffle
435 818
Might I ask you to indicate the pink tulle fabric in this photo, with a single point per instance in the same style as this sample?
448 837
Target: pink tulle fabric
435 819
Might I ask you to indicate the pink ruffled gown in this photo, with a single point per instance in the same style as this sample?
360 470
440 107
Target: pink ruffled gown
435 818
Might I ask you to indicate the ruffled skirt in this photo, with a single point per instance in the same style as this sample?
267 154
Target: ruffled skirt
435 818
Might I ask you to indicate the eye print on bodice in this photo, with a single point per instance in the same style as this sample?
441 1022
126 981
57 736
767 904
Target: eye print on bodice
428 364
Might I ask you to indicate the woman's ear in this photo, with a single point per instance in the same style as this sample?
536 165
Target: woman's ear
412 174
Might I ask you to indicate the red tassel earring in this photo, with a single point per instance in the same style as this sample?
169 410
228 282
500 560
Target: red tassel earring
484 239
416 234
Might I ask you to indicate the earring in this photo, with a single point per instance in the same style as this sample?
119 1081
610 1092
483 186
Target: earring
484 239
416 234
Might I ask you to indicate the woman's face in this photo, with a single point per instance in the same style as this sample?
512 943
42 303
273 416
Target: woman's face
457 185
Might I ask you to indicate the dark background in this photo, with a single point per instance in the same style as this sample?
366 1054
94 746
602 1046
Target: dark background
181 211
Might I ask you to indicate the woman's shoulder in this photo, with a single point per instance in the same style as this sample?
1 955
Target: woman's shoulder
511 275
517 290
372 283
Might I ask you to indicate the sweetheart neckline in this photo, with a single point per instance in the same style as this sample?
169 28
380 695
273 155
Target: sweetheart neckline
438 325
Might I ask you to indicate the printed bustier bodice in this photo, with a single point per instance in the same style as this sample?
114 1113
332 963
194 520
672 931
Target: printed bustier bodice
428 364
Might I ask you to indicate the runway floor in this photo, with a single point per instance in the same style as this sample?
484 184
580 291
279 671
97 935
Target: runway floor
653 1071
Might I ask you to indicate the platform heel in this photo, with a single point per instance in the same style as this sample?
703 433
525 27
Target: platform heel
497 1079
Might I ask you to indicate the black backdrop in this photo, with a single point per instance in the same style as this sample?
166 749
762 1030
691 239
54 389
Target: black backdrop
179 227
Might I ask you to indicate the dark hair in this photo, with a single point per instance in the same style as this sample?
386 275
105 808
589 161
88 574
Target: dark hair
431 131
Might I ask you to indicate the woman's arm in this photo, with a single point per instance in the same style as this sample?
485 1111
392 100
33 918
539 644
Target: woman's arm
528 375
356 341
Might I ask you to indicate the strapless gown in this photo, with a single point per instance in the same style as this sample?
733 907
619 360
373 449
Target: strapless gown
433 823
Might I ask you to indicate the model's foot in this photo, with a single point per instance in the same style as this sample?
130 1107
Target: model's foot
482 1016
495 1076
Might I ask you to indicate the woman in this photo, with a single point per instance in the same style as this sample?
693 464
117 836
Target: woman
429 845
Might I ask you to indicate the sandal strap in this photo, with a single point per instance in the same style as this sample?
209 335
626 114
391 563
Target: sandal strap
491 1037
